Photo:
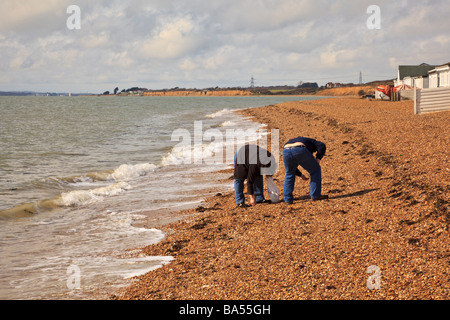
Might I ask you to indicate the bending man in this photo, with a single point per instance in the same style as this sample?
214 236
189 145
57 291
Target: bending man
299 152
250 163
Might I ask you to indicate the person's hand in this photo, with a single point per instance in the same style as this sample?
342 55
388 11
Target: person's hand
252 200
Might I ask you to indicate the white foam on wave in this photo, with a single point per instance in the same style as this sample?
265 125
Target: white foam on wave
129 172
195 154
217 145
219 113
228 124
124 172
180 154
119 178
82 197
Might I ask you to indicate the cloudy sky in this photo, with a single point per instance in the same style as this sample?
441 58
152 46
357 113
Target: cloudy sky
207 43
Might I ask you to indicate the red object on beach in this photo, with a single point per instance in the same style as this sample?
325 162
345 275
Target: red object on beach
387 90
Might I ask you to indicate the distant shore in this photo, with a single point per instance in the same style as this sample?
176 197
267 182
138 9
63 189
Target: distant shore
387 210
199 93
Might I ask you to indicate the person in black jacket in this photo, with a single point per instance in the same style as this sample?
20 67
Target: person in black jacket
251 162
299 152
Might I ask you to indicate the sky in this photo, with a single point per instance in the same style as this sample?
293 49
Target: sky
159 44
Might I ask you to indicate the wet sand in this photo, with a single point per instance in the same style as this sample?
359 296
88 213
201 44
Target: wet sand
387 175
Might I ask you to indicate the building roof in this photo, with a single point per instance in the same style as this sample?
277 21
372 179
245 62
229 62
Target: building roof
442 66
414 71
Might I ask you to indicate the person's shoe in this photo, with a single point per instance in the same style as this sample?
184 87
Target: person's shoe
289 202
242 205
264 201
322 197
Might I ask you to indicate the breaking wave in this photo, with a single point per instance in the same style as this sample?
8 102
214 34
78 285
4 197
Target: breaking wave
119 180
219 113
125 172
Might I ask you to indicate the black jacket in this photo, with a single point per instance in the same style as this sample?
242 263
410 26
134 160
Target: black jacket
249 161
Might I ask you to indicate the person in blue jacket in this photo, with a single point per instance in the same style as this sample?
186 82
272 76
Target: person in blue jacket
300 152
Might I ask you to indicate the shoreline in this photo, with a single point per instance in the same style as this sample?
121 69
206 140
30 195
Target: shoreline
388 208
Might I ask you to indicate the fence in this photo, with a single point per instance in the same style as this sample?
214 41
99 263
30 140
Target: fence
431 100
402 95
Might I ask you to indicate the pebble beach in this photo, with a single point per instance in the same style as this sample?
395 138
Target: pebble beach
386 173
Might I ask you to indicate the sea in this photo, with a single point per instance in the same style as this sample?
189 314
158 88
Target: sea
78 174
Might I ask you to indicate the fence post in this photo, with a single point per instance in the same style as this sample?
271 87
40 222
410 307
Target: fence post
416 103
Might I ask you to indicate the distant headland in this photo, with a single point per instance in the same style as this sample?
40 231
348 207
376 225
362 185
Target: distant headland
331 89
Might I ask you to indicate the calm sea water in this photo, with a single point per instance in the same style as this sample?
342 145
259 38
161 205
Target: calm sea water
77 172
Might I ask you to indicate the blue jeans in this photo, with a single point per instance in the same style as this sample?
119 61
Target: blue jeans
301 156
258 186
